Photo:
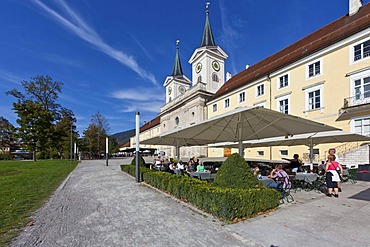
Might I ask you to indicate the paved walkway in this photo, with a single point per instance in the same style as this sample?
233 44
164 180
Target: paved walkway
102 206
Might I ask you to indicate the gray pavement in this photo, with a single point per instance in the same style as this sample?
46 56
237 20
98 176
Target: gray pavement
102 206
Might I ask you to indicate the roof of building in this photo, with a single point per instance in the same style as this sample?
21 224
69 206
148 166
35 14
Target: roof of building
207 38
324 37
152 123
177 69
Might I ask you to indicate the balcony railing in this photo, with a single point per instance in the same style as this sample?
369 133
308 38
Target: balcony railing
359 99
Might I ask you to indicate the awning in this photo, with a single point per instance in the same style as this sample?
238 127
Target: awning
241 124
310 140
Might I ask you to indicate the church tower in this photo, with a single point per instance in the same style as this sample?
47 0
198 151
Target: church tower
208 61
177 83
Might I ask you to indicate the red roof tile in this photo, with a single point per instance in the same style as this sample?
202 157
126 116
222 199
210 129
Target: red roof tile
324 37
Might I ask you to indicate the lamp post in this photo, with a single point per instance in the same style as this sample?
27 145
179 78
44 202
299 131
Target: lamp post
71 146
137 146
106 151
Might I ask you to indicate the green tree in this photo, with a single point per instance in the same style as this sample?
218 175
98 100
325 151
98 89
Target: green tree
38 114
95 134
6 131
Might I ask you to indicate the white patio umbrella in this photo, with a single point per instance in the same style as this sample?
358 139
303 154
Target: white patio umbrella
309 139
240 125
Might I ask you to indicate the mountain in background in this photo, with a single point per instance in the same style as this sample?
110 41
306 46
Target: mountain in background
123 137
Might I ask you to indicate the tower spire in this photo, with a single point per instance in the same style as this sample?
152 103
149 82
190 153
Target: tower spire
207 38
177 69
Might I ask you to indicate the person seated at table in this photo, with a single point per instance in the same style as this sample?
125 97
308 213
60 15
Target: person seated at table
200 167
255 170
295 165
190 166
180 165
278 173
172 167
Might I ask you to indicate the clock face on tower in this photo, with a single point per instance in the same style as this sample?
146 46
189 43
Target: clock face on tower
182 89
198 68
215 65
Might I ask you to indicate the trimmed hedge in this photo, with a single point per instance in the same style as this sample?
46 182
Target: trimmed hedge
225 203
235 173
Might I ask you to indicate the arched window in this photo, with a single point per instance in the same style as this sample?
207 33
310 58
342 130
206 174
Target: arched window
215 77
177 121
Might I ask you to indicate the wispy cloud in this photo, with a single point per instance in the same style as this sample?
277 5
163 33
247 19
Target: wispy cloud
229 35
61 60
138 94
7 77
153 106
146 52
75 23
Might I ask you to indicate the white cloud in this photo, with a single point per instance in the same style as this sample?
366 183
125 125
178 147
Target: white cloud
78 26
10 77
153 106
139 94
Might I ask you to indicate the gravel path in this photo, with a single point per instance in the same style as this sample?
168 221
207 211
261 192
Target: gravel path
102 206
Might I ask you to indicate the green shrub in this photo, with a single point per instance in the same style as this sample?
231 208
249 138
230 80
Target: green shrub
235 173
225 203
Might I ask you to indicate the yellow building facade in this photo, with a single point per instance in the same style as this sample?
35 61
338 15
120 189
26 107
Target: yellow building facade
324 77
315 86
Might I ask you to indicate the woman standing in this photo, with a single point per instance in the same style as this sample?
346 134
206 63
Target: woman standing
332 176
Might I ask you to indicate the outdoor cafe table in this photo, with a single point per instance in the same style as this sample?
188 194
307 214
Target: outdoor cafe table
345 172
307 177
200 175
266 181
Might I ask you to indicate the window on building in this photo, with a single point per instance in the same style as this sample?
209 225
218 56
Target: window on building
361 51
283 152
362 88
227 103
214 107
260 90
241 97
177 121
283 81
260 153
284 105
215 78
314 69
314 100
362 126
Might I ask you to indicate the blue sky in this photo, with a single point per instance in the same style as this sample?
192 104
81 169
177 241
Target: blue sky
113 56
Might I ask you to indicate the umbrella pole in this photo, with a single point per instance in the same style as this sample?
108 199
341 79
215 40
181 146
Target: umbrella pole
241 149
311 151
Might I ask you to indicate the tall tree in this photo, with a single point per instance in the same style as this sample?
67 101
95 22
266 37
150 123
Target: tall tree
95 134
6 130
38 113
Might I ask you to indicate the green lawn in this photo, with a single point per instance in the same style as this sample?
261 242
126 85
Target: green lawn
24 187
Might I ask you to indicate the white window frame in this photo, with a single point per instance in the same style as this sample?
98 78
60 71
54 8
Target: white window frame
260 153
308 69
313 89
353 79
214 107
279 99
241 98
278 81
352 51
362 118
257 89
227 103
284 155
